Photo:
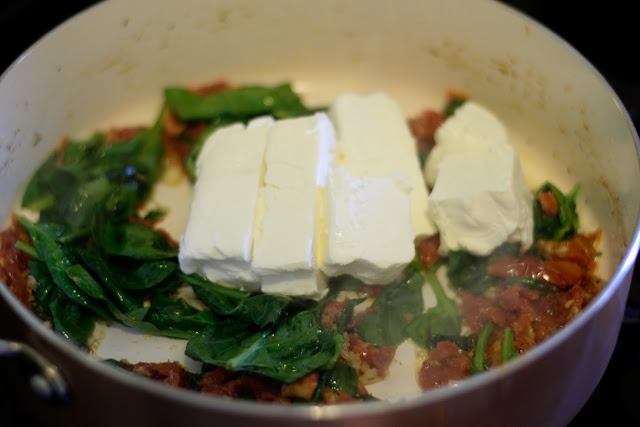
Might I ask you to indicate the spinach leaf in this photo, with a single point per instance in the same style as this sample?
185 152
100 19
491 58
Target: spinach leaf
40 192
69 320
223 341
131 274
120 276
43 292
341 378
444 318
344 378
453 104
241 104
298 346
80 288
286 352
155 215
57 174
260 309
264 309
58 263
469 272
508 349
75 186
221 299
478 362
418 330
174 317
135 240
529 282
97 266
565 223
392 312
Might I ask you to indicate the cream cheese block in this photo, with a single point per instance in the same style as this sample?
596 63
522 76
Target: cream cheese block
375 140
369 229
480 198
218 239
288 233
471 128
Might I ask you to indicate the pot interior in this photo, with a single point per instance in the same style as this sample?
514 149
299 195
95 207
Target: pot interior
562 117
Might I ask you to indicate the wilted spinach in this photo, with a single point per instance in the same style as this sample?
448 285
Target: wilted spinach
478 362
508 349
469 272
393 310
287 351
453 104
565 223
89 182
239 104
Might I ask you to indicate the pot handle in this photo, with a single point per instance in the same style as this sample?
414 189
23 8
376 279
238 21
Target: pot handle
45 378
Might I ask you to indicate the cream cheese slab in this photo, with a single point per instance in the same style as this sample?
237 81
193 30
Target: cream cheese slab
472 127
286 238
481 200
218 238
374 140
369 229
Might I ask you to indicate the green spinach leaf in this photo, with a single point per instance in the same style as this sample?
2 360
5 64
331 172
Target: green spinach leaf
469 272
393 310
444 318
295 347
134 240
241 104
508 349
565 223
478 362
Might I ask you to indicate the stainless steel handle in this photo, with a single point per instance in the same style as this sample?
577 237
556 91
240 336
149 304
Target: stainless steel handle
46 379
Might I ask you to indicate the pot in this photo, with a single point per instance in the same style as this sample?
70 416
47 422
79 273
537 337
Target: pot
107 66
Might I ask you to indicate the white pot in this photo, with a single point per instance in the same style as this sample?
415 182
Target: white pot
108 65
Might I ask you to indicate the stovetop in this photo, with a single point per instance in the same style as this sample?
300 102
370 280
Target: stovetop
595 30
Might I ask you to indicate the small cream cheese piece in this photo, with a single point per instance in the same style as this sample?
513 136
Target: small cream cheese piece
480 198
374 140
228 173
471 128
289 207
369 228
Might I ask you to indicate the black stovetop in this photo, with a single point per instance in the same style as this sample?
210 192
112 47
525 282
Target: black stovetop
595 30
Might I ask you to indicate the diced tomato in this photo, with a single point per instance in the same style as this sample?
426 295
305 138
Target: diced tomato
330 313
548 203
423 128
447 362
13 261
370 356
428 250
580 249
560 273
170 373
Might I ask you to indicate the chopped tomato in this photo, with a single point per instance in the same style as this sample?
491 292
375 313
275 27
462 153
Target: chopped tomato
447 362
548 203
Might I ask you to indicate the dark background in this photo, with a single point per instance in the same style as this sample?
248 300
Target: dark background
604 32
